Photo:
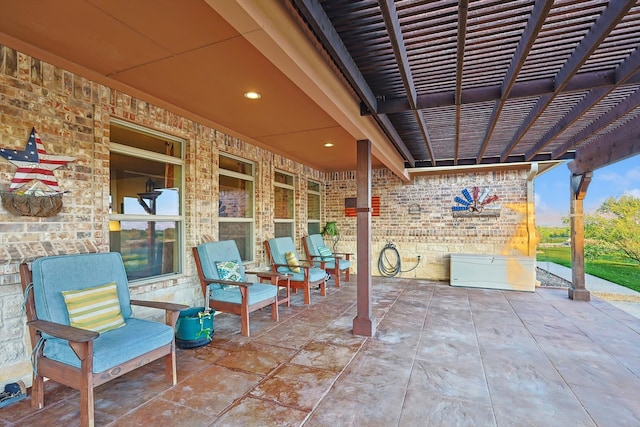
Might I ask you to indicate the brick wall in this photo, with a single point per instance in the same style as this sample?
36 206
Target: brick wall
72 115
417 218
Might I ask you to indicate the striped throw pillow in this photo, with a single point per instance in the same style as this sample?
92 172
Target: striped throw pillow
325 253
96 309
292 262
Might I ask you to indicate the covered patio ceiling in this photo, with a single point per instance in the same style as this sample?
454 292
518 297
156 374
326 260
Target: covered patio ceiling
430 83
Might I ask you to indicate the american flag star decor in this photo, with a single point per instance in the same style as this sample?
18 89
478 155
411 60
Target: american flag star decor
34 163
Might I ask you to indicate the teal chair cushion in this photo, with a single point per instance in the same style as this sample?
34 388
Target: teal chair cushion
279 247
211 254
314 242
115 347
257 292
52 275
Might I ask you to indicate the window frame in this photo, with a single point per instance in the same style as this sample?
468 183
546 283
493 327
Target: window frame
179 219
242 176
319 194
292 187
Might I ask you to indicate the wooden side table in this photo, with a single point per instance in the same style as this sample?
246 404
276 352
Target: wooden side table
281 280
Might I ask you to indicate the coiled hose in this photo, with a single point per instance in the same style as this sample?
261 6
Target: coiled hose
390 263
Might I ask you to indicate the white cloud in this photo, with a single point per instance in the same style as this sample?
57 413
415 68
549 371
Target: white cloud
613 177
634 192
633 175
621 179
546 214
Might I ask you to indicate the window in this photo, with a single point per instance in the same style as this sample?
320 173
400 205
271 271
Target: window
313 207
235 205
284 200
145 212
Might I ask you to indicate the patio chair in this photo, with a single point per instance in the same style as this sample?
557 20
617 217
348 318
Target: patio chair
75 347
322 257
224 284
303 274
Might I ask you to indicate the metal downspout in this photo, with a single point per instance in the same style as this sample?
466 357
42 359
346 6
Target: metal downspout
532 234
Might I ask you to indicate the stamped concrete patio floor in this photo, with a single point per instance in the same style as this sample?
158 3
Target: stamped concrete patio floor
442 356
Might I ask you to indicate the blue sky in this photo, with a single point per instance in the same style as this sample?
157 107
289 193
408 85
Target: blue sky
552 189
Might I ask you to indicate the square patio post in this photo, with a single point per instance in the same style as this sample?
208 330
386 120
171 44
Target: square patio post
364 323
579 184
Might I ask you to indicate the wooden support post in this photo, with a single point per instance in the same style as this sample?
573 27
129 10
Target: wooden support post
364 323
579 184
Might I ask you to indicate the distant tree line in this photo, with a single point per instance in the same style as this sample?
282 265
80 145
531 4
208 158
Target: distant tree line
612 230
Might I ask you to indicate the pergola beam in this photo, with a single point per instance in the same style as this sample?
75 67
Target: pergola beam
585 104
390 16
614 12
617 145
623 72
528 89
329 37
538 16
463 9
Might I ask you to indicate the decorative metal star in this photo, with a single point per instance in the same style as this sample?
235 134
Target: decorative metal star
34 163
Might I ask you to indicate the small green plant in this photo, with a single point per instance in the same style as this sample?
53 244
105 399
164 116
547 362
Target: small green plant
331 229
204 332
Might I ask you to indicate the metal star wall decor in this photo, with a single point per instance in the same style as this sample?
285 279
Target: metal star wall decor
34 164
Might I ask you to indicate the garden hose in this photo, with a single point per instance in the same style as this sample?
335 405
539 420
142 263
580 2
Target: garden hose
389 261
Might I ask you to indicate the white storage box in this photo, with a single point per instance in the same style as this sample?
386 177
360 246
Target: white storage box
493 272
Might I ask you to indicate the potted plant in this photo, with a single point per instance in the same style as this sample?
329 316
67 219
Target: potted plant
331 229
194 327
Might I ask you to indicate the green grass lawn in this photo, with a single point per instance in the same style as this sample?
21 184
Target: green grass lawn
615 270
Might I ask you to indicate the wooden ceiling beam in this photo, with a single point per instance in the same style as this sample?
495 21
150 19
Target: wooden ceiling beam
622 108
538 16
390 17
527 89
615 11
323 28
585 104
613 14
620 144
623 72
463 9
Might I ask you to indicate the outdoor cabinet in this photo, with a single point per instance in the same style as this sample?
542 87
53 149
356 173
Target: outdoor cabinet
515 273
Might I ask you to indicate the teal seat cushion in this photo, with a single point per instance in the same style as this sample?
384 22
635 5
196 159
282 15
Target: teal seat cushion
115 347
279 247
211 253
257 292
54 274
215 258
315 274
330 265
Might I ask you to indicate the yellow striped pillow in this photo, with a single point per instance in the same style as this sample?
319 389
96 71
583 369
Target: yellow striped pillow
292 261
96 309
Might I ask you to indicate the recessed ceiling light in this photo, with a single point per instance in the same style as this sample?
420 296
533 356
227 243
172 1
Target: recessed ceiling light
252 95
328 144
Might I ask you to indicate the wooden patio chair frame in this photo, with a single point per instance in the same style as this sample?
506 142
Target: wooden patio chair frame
81 341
